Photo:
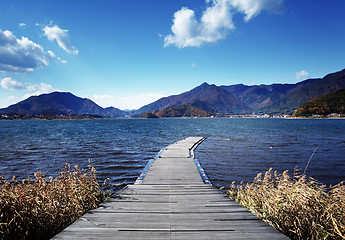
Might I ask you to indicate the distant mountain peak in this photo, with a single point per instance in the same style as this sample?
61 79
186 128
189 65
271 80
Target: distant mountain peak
240 98
207 97
60 103
200 87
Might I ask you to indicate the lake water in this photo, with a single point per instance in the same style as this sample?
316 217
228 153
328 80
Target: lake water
235 149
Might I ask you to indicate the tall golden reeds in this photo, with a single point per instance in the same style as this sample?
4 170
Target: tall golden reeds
299 208
40 208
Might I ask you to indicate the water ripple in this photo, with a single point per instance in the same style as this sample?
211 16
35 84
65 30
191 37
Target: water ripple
235 150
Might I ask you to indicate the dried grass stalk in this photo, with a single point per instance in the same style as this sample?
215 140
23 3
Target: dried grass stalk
297 207
40 208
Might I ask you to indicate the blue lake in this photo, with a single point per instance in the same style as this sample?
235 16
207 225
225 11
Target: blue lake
235 149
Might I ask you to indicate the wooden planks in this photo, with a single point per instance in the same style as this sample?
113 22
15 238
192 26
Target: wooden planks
171 201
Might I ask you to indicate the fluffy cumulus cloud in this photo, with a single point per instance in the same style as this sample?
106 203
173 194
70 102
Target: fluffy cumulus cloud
10 84
216 21
61 37
31 90
251 8
187 31
21 55
302 75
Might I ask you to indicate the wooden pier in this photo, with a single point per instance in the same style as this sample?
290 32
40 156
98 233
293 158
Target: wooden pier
172 199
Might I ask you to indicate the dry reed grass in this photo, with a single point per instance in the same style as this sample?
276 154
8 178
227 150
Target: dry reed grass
40 208
299 208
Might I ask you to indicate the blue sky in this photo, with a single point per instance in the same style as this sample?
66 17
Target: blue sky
129 53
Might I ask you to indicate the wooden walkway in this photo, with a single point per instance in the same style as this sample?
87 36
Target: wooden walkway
171 200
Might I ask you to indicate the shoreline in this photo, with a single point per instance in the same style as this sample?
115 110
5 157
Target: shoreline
226 117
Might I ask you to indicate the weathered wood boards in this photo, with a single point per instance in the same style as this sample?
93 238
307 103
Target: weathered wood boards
171 201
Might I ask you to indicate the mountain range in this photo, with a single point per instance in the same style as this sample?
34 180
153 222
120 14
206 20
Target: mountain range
284 98
60 103
240 99
216 100
209 98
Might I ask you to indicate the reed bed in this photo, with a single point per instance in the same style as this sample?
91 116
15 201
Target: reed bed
42 207
300 208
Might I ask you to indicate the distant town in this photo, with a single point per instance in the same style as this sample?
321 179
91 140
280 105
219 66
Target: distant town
67 117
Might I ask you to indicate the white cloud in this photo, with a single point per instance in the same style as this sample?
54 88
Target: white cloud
104 100
52 55
21 55
22 25
126 102
215 22
35 90
251 8
10 84
61 37
7 101
187 31
32 90
11 98
302 75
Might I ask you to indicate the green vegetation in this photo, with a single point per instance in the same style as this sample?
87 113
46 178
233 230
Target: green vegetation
324 105
183 110
148 115
299 208
41 208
